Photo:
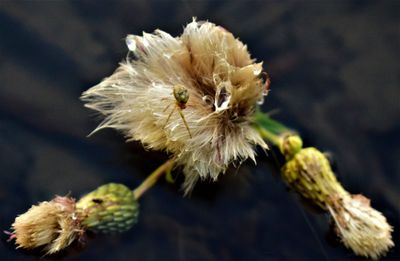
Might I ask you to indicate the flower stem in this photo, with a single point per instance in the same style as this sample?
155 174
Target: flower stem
268 135
152 178
269 129
263 120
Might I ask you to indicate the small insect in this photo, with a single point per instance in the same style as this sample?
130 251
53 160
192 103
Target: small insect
97 200
181 96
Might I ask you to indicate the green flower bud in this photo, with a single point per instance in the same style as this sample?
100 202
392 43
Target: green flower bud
109 208
290 145
310 174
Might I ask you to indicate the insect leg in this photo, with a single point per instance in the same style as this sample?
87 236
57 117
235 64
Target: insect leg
169 116
184 121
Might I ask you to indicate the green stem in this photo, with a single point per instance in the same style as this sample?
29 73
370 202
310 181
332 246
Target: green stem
268 135
269 129
263 120
152 178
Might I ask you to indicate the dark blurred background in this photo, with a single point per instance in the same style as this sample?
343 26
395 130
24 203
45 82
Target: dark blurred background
335 68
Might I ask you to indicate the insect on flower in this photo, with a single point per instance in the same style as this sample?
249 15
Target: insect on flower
181 96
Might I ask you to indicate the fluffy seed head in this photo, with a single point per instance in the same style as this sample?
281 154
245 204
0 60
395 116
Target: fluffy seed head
223 87
360 227
51 224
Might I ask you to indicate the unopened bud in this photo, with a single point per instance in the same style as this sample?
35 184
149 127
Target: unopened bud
109 208
310 174
290 145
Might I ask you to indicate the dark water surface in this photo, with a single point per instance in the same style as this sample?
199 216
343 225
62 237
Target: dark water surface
335 69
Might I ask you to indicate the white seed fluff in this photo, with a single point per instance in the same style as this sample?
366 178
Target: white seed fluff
362 228
224 85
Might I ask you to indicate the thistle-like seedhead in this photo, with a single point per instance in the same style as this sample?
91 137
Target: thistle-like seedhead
224 85
360 227
51 224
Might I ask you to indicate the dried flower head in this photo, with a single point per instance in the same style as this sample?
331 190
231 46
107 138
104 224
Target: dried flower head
51 224
360 227
223 86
